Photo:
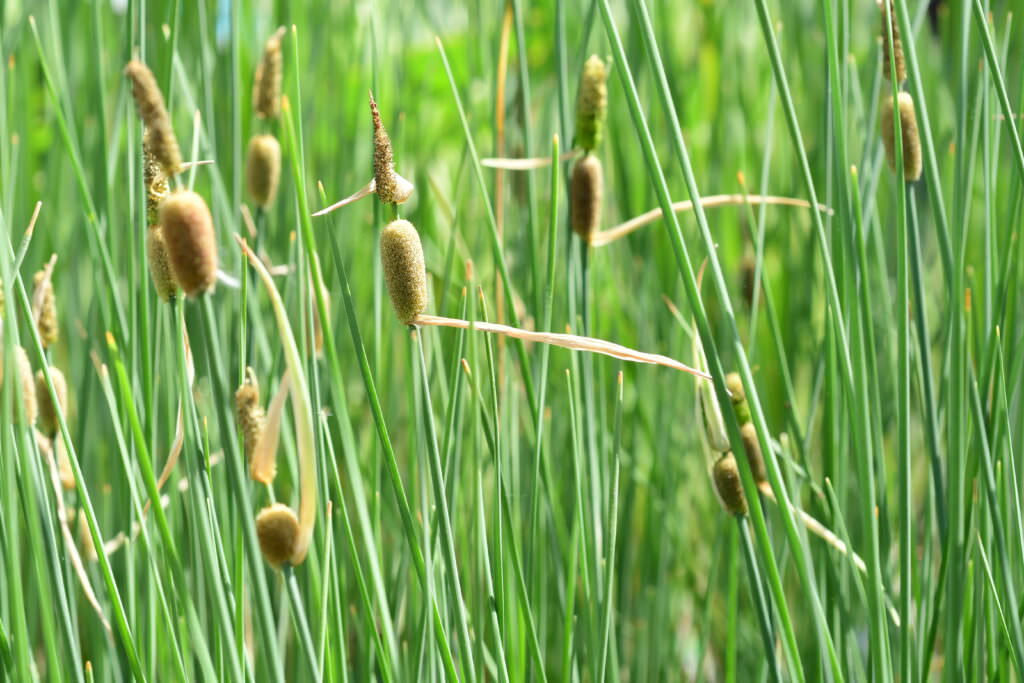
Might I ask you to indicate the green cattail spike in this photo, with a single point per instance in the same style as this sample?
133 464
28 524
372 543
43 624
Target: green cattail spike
190 241
739 397
263 168
889 18
48 421
753 448
159 265
149 102
44 298
277 529
586 194
153 176
405 271
266 87
910 136
726 475
591 104
249 413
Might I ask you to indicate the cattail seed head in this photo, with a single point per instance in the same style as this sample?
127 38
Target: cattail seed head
48 329
726 474
159 266
149 102
266 87
908 130
48 421
263 168
277 528
190 241
591 104
26 384
748 273
154 178
739 397
249 413
383 160
753 447
404 269
586 194
85 546
897 45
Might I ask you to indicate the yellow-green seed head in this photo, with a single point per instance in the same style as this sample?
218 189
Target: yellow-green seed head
910 136
49 331
48 421
383 160
586 194
187 228
159 266
277 529
263 168
153 176
249 413
405 271
591 104
753 448
149 102
739 397
726 475
26 384
266 87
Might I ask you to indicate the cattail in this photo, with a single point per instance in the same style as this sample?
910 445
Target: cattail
249 413
266 87
47 410
191 245
404 270
277 528
739 397
150 104
753 447
26 383
728 485
85 545
64 471
48 329
263 168
154 178
383 159
591 104
586 193
908 129
897 45
159 266
748 273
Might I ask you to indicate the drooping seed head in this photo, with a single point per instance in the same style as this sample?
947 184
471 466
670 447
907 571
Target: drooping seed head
48 421
897 45
249 413
726 475
159 266
753 448
154 178
908 129
48 328
149 102
734 384
190 241
383 160
586 195
263 168
266 87
277 528
405 271
591 104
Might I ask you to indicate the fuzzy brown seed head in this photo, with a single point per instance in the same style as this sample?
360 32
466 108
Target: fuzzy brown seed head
591 104
48 329
149 102
897 45
266 87
249 413
586 194
753 448
159 266
908 130
383 160
726 474
404 269
263 168
277 528
48 421
153 176
190 241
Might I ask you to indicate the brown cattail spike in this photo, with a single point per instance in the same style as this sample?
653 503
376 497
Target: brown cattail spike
383 160
263 168
591 104
897 45
908 130
739 397
404 269
48 329
191 244
150 104
159 266
266 87
277 528
156 182
249 413
753 448
586 194
727 483
48 421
